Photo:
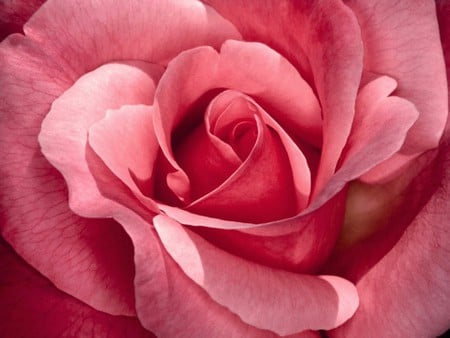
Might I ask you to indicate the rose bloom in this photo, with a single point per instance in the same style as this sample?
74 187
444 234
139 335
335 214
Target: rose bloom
236 168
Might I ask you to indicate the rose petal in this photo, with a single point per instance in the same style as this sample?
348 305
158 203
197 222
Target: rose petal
13 14
416 303
97 32
64 131
242 66
378 133
74 253
31 306
280 301
167 301
125 140
248 194
303 249
443 13
323 39
402 41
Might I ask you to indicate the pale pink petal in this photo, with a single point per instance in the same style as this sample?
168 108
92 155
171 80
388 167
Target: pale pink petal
64 131
321 38
167 302
31 306
125 141
406 293
378 132
401 40
76 254
271 299
84 35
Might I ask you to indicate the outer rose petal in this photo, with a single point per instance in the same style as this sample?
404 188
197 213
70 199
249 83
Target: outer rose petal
417 271
401 40
30 306
83 35
74 253
276 300
443 12
14 13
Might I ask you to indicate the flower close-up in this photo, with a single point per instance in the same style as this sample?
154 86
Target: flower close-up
215 168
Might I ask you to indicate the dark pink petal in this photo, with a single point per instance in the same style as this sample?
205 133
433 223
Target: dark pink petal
31 306
14 13
321 38
443 13
64 131
302 249
401 40
261 189
76 254
241 66
270 299
125 141
85 35
406 293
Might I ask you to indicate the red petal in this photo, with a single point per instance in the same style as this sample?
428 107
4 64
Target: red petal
31 306
270 299
249 194
240 66
13 15
302 249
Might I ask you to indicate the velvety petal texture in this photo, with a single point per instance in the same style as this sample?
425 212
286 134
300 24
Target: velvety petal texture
325 43
275 300
83 36
13 15
76 254
401 40
63 135
31 306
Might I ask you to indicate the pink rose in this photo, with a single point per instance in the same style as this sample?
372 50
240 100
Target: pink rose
224 169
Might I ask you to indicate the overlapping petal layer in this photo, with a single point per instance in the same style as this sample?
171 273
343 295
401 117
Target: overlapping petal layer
31 306
282 302
36 219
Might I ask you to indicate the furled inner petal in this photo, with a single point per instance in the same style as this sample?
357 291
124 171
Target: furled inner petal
251 68
261 189
276 300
